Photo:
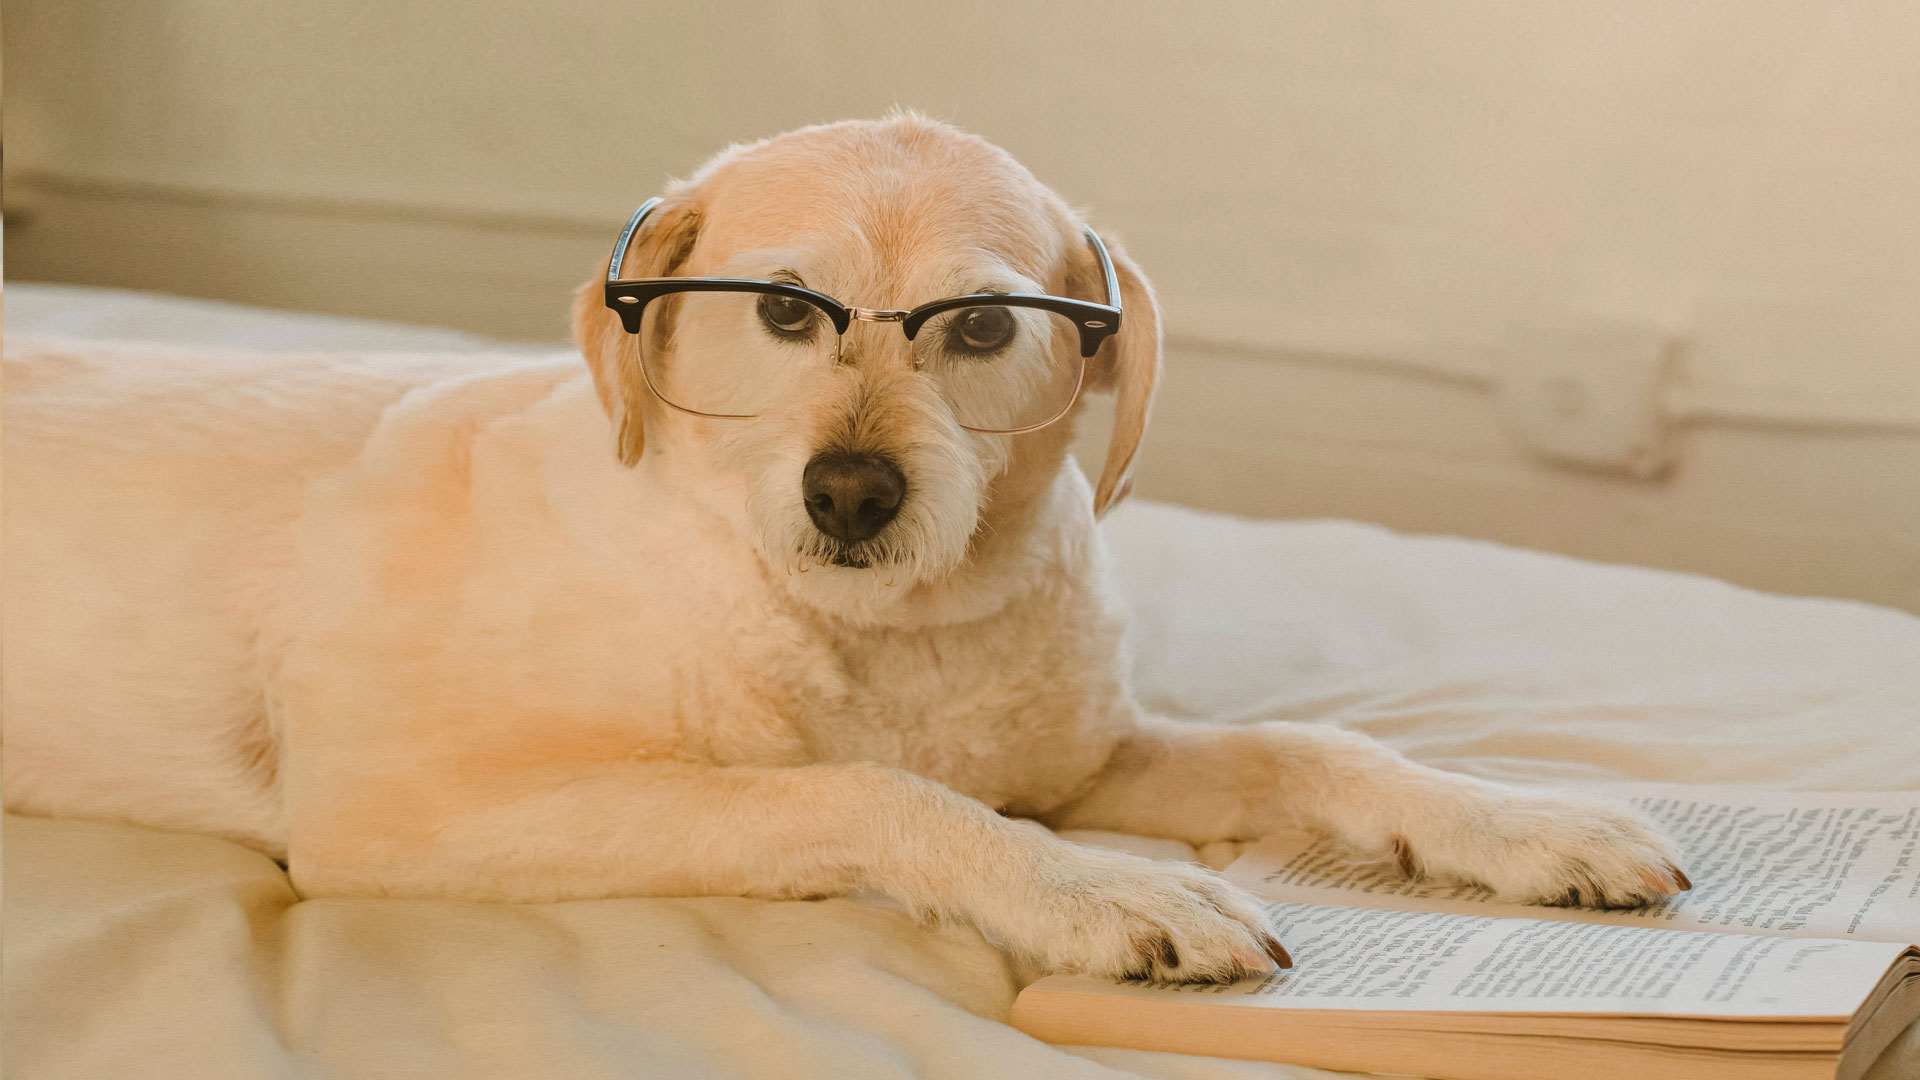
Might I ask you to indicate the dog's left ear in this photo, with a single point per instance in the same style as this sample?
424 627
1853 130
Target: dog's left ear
613 354
1128 363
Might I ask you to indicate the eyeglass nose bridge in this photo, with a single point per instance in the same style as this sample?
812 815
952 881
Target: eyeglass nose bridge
869 315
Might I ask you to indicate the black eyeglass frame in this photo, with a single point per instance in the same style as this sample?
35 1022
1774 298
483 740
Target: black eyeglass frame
629 297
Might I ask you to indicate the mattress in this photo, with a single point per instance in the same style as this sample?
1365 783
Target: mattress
130 952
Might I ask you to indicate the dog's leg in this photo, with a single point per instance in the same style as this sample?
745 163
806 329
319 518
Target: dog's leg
643 829
1205 782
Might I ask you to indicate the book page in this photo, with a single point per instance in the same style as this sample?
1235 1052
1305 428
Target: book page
1367 959
1799 864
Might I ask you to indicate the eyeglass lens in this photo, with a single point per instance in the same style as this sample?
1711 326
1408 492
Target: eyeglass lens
997 367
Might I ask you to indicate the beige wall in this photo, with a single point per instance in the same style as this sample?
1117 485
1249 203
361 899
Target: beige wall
1411 255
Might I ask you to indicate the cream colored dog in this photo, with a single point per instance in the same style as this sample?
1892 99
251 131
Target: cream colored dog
412 623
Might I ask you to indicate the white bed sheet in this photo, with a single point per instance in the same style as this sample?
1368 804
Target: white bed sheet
136 953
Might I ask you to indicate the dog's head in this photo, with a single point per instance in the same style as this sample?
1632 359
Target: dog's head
854 479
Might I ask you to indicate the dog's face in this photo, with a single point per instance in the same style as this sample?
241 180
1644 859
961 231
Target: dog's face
854 481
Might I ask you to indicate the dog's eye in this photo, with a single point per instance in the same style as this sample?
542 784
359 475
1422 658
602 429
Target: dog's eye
982 330
784 315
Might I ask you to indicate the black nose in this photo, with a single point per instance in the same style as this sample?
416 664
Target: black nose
852 496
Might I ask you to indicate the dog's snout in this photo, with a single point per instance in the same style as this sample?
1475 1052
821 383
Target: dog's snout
850 497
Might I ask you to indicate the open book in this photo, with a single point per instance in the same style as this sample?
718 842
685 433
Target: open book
1793 957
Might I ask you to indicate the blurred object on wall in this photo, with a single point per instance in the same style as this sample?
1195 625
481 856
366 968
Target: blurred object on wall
1632 281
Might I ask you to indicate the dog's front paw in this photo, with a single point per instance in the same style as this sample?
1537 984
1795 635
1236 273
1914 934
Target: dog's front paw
1104 913
1543 849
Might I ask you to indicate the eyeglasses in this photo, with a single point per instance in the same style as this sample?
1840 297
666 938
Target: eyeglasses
1004 363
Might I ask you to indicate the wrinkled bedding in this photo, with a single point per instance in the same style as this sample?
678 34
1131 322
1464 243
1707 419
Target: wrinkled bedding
130 952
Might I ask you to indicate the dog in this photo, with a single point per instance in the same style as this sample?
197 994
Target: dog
506 629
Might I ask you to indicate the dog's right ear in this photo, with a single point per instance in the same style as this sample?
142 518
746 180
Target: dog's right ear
1128 364
612 354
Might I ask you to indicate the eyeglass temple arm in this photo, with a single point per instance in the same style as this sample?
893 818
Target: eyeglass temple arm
633 226
1107 276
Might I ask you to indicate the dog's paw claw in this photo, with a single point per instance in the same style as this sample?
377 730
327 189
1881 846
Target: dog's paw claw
1276 952
1161 949
1403 856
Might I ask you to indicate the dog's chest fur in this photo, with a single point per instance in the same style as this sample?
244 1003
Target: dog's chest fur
1016 709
